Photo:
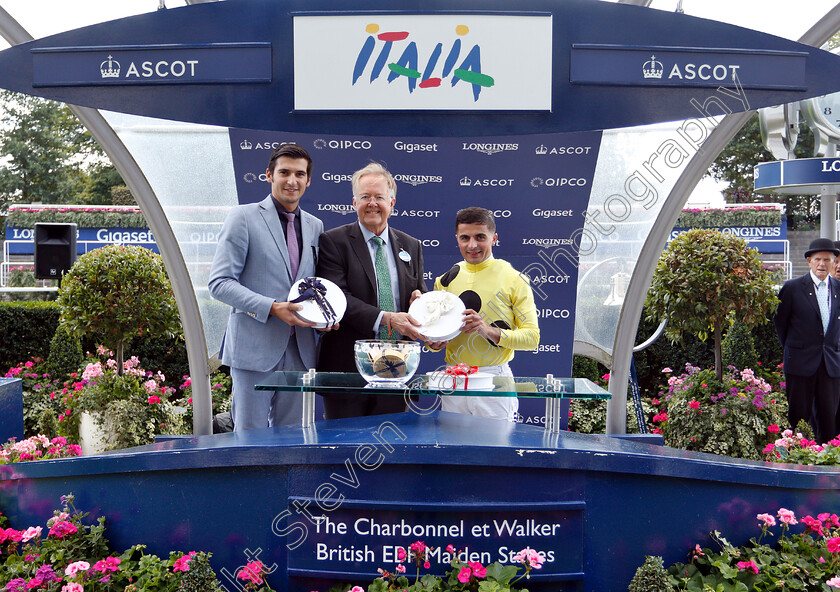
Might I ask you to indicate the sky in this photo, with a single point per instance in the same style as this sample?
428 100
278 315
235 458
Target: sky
785 18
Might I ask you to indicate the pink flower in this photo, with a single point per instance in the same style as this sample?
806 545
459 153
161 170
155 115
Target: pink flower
357 589
834 582
401 554
14 535
417 547
108 564
694 404
478 570
833 545
786 516
464 575
666 370
606 376
183 562
748 565
150 386
31 533
427 565
154 399
72 587
252 572
773 428
767 519
75 567
400 568
62 529
450 549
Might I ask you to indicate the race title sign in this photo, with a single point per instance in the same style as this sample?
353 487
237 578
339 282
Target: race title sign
359 540
423 62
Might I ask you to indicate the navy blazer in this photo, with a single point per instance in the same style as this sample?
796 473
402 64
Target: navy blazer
344 259
799 326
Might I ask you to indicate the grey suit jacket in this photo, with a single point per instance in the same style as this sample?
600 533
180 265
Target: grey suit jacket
251 271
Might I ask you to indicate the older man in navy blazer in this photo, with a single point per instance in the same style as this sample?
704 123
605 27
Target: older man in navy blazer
808 325
264 248
349 258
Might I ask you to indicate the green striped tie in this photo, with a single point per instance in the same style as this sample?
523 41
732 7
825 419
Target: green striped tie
383 284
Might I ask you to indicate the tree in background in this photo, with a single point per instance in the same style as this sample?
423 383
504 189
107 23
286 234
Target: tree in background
117 293
735 165
47 155
703 280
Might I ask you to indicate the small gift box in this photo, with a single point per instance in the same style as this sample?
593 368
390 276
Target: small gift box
322 302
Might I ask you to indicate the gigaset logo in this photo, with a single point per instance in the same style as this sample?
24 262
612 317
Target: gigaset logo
407 65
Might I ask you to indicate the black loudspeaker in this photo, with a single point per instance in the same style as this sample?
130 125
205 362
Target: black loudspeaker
55 249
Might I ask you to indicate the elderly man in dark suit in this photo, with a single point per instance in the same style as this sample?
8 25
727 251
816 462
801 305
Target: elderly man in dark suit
380 270
808 325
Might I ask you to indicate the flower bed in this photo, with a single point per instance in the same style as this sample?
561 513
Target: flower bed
68 555
808 560
729 417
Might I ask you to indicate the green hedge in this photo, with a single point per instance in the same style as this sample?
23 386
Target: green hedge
26 329
716 218
83 217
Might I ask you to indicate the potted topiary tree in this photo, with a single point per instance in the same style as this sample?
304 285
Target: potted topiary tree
115 294
704 279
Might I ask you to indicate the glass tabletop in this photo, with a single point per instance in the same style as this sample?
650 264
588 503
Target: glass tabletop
503 386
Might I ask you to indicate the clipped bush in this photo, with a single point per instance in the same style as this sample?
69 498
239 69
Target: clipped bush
117 293
121 196
28 328
650 577
83 216
730 217
66 353
738 348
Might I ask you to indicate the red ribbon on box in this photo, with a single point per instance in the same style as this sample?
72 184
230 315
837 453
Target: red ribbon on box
461 370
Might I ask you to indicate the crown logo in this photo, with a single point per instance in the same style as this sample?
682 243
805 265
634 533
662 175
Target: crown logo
652 68
245 145
110 68
541 149
466 182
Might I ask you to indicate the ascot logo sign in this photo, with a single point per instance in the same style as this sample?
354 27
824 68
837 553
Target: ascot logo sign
231 63
423 62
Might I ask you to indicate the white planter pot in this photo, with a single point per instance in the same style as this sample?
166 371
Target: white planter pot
93 437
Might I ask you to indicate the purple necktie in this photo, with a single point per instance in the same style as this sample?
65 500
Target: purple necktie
292 242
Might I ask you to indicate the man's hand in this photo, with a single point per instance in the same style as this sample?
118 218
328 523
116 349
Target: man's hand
474 323
436 345
414 296
285 311
328 328
403 323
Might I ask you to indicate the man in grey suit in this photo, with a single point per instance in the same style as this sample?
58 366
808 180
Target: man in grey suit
263 249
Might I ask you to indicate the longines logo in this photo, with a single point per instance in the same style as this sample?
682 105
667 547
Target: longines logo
490 148
558 182
542 150
336 208
547 242
321 143
467 182
416 180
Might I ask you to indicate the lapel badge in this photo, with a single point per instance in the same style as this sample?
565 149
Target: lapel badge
404 255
